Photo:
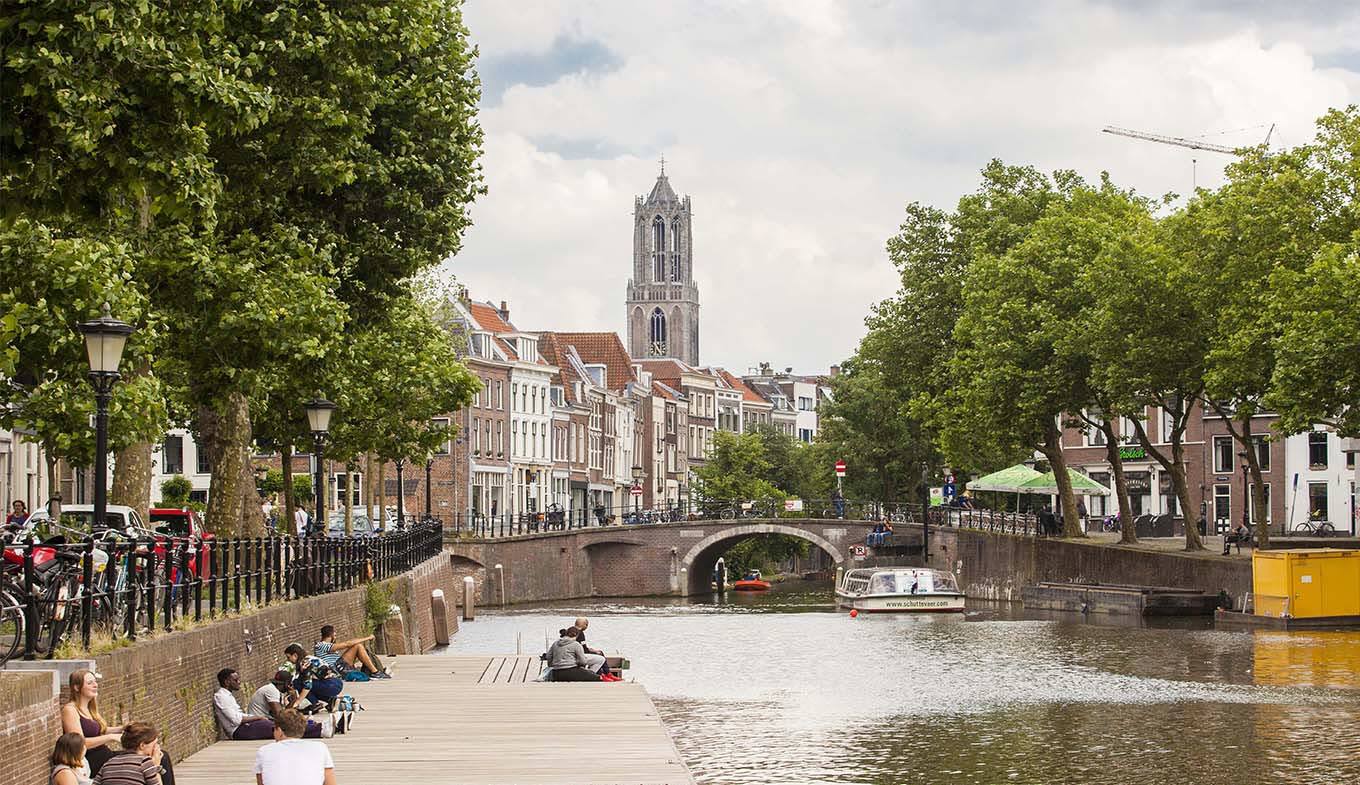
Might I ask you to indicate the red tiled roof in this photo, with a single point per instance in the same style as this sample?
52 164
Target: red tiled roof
747 394
604 349
490 319
555 355
663 390
666 370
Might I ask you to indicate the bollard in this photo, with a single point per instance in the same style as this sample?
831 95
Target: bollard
441 617
684 582
469 599
500 584
840 573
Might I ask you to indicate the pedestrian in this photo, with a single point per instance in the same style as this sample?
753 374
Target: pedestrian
1081 511
300 520
1048 524
838 501
292 760
20 515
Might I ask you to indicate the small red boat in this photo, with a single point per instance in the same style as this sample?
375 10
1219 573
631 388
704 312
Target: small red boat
751 582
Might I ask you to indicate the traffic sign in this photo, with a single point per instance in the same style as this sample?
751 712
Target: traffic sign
840 468
637 490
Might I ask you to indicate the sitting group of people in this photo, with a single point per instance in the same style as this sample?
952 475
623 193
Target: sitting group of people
310 684
570 659
83 754
881 531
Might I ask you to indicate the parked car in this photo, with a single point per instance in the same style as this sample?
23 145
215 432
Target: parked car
361 525
79 518
181 524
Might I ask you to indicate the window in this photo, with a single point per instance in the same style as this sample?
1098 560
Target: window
804 403
1095 436
1262 452
1317 501
675 246
1128 434
203 465
500 395
1317 449
658 250
805 435
476 436
500 439
444 447
1096 505
1223 454
340 482
1350 460
1222 505
1168 426
658 333
1256 516
172 455
514 397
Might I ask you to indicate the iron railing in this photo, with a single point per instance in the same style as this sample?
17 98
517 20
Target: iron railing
567 519
125 586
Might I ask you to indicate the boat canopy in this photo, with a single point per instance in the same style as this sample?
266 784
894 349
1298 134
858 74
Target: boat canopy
899 580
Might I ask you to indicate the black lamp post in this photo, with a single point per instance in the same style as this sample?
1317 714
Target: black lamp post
319 411
925 510
105 338
638 473
1246 500
429 471
401 494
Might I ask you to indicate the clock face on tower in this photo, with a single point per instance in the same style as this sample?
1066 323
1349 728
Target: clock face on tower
663 300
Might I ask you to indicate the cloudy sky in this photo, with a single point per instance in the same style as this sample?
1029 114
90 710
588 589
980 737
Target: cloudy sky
801 129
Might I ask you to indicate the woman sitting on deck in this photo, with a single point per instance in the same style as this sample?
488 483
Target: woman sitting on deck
567 659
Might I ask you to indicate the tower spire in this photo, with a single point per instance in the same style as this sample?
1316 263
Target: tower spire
663 164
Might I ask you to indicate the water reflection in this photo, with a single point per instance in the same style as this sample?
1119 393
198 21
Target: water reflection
779 688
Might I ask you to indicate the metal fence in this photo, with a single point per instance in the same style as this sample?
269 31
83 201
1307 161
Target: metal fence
568 519
125 586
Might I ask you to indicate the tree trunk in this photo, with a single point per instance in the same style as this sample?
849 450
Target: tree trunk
225 435
1128 535
53 485
1259 521
1193 541
289 503
252 510
1052 450
132 478
369 486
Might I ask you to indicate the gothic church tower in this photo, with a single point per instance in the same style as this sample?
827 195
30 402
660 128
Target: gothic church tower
663 300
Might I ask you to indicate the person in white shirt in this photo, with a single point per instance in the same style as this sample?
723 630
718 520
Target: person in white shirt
291 760
300 520
235 723
275 696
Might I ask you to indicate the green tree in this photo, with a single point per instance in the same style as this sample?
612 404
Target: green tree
175 491
736 469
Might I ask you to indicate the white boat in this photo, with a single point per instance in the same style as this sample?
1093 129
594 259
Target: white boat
899 590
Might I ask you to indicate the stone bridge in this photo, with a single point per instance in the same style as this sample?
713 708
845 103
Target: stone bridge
630 561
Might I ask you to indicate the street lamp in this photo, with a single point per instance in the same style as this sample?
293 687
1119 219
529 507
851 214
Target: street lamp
105 338
1246 502
319 411
401 494
429 470
638 474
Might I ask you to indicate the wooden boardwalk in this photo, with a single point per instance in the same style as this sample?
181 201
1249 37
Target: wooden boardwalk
460 720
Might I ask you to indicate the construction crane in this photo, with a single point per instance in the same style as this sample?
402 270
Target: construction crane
1193 144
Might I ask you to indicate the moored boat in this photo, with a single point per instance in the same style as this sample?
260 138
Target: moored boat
751 582
899 590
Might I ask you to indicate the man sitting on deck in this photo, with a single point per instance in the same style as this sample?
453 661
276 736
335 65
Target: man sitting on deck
595 659
275 696
343 656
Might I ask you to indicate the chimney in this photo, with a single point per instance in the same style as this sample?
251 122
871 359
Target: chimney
835 371
504 312
764 369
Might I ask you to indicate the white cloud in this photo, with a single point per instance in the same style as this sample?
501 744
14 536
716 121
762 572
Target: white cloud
801 129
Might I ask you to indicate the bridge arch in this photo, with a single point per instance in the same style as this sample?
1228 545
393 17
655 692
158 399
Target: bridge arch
700 560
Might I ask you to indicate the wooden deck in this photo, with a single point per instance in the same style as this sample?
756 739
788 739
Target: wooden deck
480 721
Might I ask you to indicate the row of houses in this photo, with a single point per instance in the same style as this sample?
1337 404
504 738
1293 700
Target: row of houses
1307 476
562 418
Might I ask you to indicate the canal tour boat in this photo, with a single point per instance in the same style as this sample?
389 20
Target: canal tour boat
899 590
751 582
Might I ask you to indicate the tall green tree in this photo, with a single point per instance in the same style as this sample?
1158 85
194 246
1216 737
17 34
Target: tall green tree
735 470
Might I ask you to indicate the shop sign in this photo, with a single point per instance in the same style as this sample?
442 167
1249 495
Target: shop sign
1132 453
1138 483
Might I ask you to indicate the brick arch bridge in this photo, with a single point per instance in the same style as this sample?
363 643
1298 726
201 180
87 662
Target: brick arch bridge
629 561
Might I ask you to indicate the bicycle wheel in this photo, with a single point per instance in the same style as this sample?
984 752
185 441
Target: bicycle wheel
1326 528
1303 528
11 626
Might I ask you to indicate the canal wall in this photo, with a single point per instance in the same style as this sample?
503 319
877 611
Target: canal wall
997 566
168 680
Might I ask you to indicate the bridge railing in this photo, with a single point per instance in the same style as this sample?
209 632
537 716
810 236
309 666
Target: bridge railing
554 519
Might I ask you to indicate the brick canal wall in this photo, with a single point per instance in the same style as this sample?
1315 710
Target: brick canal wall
998 566
169 680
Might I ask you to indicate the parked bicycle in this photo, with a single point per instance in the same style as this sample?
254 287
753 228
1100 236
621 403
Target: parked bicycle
1315 528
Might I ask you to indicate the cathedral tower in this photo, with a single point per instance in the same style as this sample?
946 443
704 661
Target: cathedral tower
663 300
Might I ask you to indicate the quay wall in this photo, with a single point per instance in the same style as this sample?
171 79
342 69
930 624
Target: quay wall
997 566
168 680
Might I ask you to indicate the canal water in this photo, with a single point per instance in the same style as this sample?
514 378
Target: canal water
782 688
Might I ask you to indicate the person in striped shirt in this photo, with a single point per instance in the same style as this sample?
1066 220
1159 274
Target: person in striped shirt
136 763
343 657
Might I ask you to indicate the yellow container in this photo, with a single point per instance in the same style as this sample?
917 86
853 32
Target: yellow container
1306 582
